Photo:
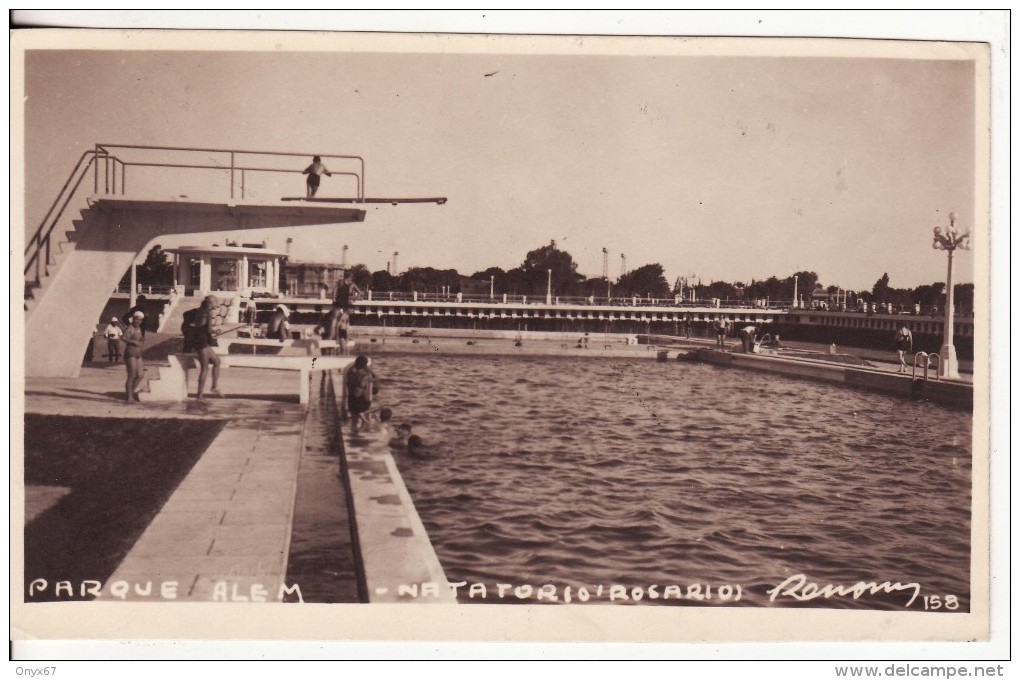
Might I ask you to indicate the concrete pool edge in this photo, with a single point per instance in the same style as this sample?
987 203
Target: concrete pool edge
948 393
397 560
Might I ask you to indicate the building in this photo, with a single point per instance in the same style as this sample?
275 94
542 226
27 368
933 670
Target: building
235 271
311 279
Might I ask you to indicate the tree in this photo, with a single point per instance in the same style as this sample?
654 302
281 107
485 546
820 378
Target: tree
771 288
647 280
721 290
806 282
485 274
880 291
157 270
361 276
963 297
429 280
599 287
383 281
533 274
494 279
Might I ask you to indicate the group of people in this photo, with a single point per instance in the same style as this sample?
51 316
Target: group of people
130 332
904 340
334 325
362 386
748 335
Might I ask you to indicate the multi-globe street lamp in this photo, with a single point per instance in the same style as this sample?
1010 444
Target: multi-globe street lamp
949 242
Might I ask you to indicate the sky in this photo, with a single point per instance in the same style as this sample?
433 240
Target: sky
716 166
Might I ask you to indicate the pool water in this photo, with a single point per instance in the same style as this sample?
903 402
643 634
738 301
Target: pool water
578 474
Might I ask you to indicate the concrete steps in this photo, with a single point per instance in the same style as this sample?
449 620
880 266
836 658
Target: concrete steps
174 316
60 250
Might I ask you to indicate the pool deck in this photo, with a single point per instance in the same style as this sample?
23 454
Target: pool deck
598 346
224 534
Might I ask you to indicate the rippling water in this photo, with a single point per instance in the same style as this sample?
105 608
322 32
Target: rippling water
595 472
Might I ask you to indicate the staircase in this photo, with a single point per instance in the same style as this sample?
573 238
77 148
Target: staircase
174 316
89 238
50 264
56 236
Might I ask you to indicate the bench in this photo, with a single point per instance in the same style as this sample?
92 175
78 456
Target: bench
172 384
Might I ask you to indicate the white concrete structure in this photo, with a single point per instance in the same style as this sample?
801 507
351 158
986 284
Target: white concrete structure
226 270
98 239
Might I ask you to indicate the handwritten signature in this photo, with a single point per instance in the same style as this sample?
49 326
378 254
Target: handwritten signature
799 588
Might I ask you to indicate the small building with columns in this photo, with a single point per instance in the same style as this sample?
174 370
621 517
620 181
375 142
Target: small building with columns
226 270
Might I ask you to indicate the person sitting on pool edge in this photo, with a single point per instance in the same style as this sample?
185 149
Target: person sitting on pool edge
278 327
378 419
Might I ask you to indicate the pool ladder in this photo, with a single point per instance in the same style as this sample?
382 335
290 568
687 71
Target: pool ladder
926 361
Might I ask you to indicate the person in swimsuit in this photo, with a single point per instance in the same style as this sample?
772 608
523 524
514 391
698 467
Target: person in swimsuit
279 327
314 172
139 307
360 389
720 334
346 293
904 344
134 340
202 341
343 324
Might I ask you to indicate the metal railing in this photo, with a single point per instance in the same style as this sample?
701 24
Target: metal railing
925 360
235 164
144 289
37 252
540 299
104 166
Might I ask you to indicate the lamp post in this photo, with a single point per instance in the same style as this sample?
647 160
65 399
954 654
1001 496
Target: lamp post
949 242
548 290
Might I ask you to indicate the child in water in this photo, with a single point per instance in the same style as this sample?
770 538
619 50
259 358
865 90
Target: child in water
399 440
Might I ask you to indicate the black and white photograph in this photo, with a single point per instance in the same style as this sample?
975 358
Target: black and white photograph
494 337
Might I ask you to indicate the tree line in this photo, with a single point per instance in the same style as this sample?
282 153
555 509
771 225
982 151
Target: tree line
549 264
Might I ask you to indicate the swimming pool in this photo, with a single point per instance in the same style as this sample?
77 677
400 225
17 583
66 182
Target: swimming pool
679 483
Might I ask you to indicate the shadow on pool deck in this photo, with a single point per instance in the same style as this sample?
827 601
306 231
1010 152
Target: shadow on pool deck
224 471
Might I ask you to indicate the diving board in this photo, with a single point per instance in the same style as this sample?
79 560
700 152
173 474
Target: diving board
438 200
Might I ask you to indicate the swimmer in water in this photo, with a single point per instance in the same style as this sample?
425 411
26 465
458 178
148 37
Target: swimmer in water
417 447
399 441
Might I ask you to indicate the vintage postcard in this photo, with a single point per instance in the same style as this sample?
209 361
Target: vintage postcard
500 338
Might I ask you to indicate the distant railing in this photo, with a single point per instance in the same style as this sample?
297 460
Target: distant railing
540 299
144 289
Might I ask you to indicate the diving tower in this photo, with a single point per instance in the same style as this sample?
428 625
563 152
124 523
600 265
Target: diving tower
85 243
